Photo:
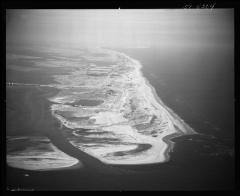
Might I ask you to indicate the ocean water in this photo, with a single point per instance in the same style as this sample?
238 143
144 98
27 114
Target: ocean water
198 86
197 83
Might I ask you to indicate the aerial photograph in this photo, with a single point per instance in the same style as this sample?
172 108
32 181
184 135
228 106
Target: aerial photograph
120 99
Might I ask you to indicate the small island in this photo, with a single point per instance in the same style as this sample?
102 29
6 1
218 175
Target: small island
126 121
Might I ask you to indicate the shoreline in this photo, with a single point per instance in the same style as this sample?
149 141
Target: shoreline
176 126
166 138
161 145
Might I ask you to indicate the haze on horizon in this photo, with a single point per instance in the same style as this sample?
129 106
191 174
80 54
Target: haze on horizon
122 28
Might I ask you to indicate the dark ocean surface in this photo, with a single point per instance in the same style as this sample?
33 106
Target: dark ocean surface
196 84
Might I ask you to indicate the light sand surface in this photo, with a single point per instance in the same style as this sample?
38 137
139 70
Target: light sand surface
131 126
38 154
119 120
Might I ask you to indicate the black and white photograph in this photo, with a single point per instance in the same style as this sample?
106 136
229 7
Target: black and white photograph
120 99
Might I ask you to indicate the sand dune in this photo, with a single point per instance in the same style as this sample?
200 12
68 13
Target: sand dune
38 153
127 124
136 100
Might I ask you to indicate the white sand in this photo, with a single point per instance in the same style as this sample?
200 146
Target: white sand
131 84
34 158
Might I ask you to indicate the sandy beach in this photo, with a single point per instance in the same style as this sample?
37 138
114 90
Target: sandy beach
120 99
130 86
126 121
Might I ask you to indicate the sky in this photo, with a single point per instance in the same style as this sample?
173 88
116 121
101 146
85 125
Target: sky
122 27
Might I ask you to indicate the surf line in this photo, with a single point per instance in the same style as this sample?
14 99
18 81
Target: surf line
177 126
